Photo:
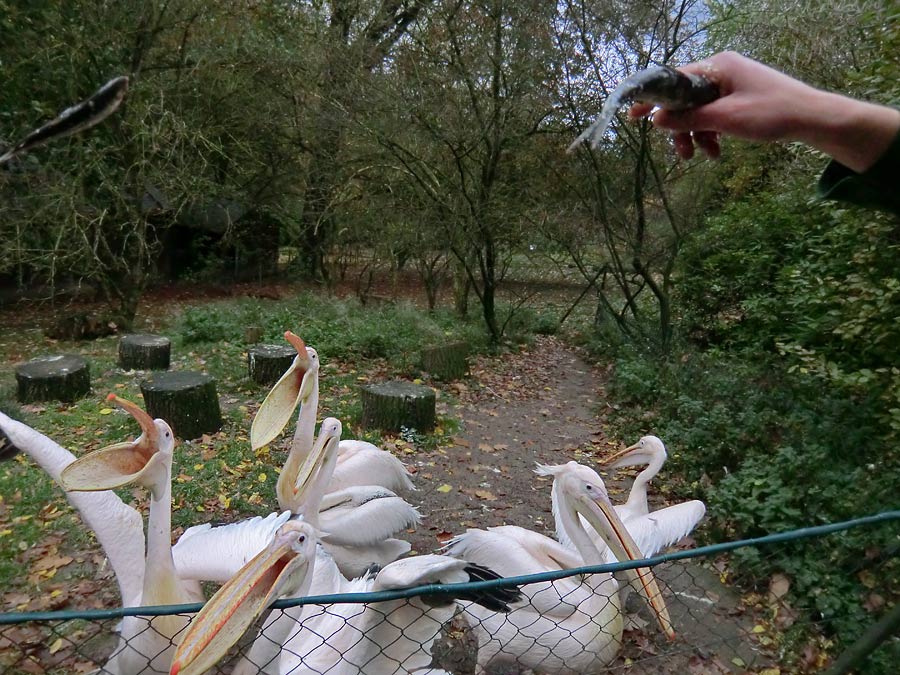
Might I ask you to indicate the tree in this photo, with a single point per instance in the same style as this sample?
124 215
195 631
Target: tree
471 78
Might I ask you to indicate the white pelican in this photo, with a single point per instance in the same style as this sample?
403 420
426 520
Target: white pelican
145 644
360 522
652 530
119 527
386 637
359 462
573 625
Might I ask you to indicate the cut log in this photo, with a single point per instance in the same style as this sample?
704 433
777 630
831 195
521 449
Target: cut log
186 400
63 377
267 363
392 405
252 335
142 351
447 361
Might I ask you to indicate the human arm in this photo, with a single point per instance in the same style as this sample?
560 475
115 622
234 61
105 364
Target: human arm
762 104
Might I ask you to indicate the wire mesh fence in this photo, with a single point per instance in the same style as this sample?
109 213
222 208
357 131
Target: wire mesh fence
581 620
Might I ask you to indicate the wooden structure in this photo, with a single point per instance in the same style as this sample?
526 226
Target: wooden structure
447 361
392 405
267 363
142 351
60 377
186 400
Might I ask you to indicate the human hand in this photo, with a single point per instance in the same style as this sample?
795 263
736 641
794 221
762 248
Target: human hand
756 102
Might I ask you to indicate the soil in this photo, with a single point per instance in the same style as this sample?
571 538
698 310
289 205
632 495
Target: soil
545 404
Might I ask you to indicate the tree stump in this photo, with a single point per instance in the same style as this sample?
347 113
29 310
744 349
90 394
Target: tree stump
64 377
141 351
447 361
186 400
392 405
267 363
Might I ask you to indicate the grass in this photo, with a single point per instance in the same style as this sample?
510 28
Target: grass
217 476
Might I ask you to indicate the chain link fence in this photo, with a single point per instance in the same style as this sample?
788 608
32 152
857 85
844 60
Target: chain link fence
569 621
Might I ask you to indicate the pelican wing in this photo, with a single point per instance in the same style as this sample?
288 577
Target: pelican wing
216 553
363 515
362 463
119 528
355 561
441 569
664 527
513 551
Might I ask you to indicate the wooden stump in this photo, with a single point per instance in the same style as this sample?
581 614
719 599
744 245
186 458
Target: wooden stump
186 400
63 377
392 405
141 351
267 363
447 361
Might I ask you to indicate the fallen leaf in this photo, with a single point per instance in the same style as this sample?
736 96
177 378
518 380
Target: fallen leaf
51 562
443 536
104 411
486 495
446 487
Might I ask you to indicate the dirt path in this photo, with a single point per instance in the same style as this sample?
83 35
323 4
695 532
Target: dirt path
544 404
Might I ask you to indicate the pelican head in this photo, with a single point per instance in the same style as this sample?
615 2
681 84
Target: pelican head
284 567
581 492
311 480
294 387
145 461
645 451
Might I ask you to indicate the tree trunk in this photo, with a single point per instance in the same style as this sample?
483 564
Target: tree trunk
186 400
267 363
394 405
446 362
144 352
63 377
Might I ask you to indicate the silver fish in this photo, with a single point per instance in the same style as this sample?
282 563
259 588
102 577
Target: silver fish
659 85
79 117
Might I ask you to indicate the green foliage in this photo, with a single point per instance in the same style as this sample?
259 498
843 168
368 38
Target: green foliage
336 328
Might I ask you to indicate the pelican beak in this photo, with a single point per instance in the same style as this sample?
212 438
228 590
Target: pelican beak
287 561
628 457
276 410
119 464
603 517
311 467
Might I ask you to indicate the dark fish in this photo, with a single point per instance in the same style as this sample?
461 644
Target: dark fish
79 117
659 85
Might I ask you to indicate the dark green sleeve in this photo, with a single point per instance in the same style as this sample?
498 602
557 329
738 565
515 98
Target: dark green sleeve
878 188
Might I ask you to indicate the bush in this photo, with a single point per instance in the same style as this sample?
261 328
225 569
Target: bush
336 328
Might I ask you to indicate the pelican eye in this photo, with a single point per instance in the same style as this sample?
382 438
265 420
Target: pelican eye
301 538
589 487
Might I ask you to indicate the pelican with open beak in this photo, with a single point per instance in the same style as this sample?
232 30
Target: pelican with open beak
284 567
358 463
146 461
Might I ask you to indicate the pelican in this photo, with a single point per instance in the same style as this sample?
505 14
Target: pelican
573 625
145 645
360 522
119 527
387 637
359 462
652 530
